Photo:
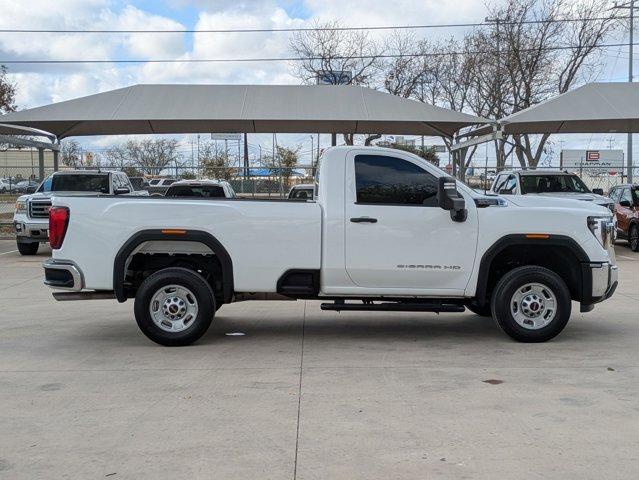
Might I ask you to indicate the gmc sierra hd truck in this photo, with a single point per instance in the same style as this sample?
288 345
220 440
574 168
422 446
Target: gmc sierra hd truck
386 231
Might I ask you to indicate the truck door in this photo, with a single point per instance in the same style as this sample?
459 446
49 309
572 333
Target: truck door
396 235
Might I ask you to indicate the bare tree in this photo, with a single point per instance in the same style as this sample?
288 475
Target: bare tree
71 153
153 156
325 53
542 55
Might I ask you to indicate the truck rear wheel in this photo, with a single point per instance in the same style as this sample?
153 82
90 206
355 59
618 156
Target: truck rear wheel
28 248
531 304
174 306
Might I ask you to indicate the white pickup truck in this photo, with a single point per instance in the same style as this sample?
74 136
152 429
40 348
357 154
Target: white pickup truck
31 217
387 231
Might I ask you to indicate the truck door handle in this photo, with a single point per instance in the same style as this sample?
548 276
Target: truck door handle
363 220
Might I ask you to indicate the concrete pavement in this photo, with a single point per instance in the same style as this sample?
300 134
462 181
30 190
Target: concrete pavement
313 395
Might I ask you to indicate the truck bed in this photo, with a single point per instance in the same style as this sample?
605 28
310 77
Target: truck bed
263 238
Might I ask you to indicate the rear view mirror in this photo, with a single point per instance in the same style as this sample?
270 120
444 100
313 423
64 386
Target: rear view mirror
625 203
598 191
448 198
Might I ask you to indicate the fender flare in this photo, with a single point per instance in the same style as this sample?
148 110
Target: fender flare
189 236
520 239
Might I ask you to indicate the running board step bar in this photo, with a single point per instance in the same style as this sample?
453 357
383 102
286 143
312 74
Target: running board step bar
73 296
394 307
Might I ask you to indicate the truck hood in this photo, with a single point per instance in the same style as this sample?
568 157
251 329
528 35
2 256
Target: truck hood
544 201
584 197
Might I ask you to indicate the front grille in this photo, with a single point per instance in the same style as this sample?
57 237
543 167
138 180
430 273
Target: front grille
39 209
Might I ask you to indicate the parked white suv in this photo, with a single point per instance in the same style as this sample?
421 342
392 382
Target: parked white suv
31 217
548 183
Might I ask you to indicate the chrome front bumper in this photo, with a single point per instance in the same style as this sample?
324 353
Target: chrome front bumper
31 230
62 275
600 282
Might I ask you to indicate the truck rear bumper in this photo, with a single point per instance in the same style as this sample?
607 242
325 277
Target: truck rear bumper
62 275
599 283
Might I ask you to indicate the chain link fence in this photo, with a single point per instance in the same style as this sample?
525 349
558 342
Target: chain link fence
252 182
263 182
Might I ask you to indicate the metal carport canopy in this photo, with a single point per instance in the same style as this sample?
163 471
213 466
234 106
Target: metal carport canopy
591 108
173 109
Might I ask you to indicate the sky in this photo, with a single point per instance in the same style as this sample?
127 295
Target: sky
43 84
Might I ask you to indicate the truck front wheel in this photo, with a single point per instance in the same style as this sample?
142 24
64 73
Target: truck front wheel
28 248
531 304
174 306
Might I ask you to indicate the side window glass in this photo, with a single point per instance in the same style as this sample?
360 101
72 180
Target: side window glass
393 181
509 186
626 195
499 183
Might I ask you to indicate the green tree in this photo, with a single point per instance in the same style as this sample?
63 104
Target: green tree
215 162
284 163
428 153
7 92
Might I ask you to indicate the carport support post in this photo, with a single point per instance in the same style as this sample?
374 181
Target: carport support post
41 163
56 160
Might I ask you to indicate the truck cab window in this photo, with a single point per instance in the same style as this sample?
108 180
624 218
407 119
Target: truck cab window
393 181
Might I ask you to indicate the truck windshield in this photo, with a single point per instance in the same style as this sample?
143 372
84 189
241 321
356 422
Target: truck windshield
76 183
552 184
209 191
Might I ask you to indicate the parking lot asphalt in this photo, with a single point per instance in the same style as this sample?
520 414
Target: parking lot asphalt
309 394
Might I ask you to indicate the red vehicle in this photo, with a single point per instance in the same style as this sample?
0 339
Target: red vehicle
626 198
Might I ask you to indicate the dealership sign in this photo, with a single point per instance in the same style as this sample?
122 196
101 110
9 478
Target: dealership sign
593 161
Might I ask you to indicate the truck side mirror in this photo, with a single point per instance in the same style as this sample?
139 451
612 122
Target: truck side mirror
598 191
449 199
31 189
625 203
121 191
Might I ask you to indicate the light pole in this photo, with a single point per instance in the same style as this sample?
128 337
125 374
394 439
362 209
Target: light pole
501 143
312 150
631 6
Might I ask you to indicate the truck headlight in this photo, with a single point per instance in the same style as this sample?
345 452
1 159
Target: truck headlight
21 207
603 229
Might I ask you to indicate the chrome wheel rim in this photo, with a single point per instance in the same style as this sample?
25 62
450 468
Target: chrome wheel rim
173 308
533 306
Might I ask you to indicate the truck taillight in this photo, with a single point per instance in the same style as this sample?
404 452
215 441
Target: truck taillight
58 222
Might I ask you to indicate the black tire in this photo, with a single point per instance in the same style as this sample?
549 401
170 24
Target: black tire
484 311
633 237
192 281
517 279
28 248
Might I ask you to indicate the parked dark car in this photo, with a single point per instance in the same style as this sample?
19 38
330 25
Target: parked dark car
626 198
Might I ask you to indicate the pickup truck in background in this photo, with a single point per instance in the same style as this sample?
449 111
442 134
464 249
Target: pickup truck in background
387 231
548 183
159 186
31 217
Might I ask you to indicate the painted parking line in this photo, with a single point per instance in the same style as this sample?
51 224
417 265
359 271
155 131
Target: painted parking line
6 253
626 258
